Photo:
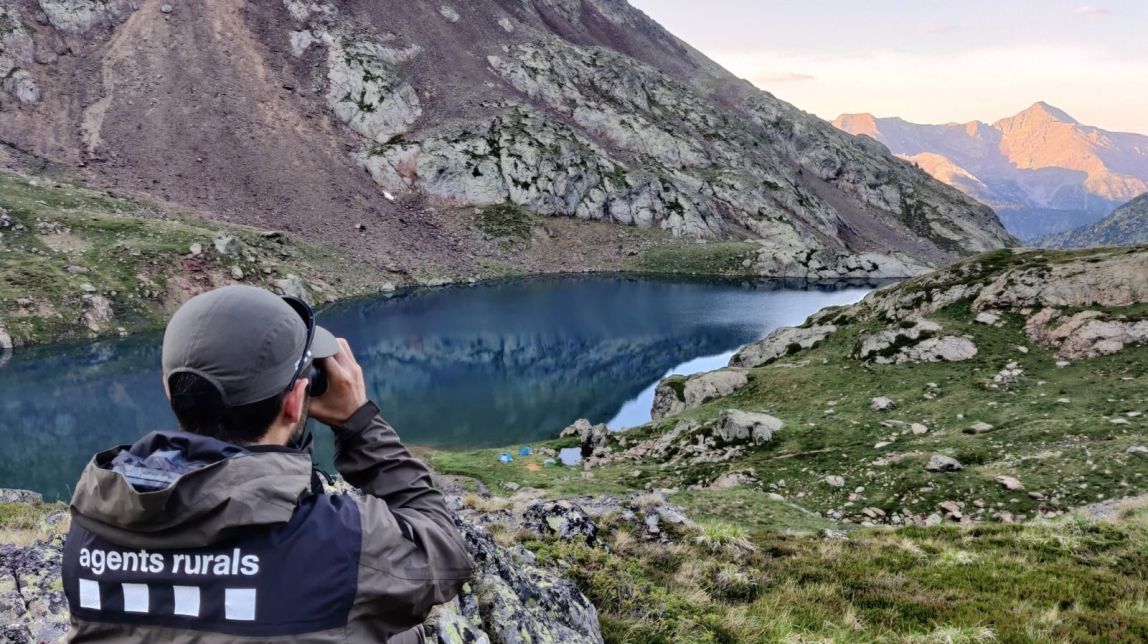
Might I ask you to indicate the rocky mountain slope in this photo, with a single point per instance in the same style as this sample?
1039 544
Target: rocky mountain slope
379 125
1042 170
1126 226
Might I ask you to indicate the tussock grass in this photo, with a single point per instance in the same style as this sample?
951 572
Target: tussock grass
942 584
22 524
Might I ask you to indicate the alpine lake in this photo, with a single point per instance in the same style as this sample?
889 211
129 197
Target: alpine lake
461 367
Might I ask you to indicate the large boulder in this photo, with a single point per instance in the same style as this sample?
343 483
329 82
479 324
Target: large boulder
590 437
677 393
780 343
737 426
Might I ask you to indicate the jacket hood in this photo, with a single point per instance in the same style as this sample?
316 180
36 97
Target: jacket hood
182 490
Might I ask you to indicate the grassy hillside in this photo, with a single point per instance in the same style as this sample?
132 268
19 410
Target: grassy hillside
76 262
898 565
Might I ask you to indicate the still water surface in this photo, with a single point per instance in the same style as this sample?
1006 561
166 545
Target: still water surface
460 367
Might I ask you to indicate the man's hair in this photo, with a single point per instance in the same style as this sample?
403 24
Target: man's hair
199 408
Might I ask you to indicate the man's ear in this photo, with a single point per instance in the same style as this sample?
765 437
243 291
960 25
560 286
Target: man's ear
166 388
294 400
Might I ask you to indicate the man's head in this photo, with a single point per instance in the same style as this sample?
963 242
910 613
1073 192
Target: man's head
235 363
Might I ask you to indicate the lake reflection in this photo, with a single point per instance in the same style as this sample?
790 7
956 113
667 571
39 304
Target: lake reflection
458 367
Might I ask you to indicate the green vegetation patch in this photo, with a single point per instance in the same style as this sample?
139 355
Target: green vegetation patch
1071 580
505 221
691 258
62 246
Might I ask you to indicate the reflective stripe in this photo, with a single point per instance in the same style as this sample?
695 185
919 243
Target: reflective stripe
239 604
135 598
89 594
186 600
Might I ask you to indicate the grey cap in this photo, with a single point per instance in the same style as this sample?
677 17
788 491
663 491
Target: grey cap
245 340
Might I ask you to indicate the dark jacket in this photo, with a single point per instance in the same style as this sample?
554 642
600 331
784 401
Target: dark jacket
240 546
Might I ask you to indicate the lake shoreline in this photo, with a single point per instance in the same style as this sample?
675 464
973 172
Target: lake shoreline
379 291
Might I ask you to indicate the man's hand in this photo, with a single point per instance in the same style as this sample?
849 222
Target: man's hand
346 390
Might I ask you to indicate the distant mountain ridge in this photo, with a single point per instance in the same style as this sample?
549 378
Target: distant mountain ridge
1043 171
1126 226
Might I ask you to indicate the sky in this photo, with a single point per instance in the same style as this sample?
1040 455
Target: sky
930 61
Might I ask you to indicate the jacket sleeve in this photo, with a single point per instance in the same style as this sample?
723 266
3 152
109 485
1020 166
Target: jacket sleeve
412 556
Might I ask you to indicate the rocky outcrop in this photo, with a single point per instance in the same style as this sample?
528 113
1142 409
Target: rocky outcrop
917 341
32 604
591 438
676 394
799 261
736 426
510 600
1106 279
782 342
1086 334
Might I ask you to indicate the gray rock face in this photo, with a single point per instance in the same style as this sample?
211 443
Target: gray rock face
1010 483
32 607
512 601
835 481
942 463
1086 334
227 244
788 259
82 16
294 286
782 342
881 403
5 339
979 427
591 438
366 91
593 133
677 394
96 312
736 426
1106 280
9 495
915 342
563 518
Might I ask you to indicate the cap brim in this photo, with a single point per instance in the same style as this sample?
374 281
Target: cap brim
324 344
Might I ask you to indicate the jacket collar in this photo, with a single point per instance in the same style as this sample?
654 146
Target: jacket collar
231 489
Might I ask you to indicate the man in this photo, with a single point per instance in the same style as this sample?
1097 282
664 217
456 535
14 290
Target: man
221 532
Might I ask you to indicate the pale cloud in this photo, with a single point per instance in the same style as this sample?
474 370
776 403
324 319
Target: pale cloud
1091 11
982 84
779 77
